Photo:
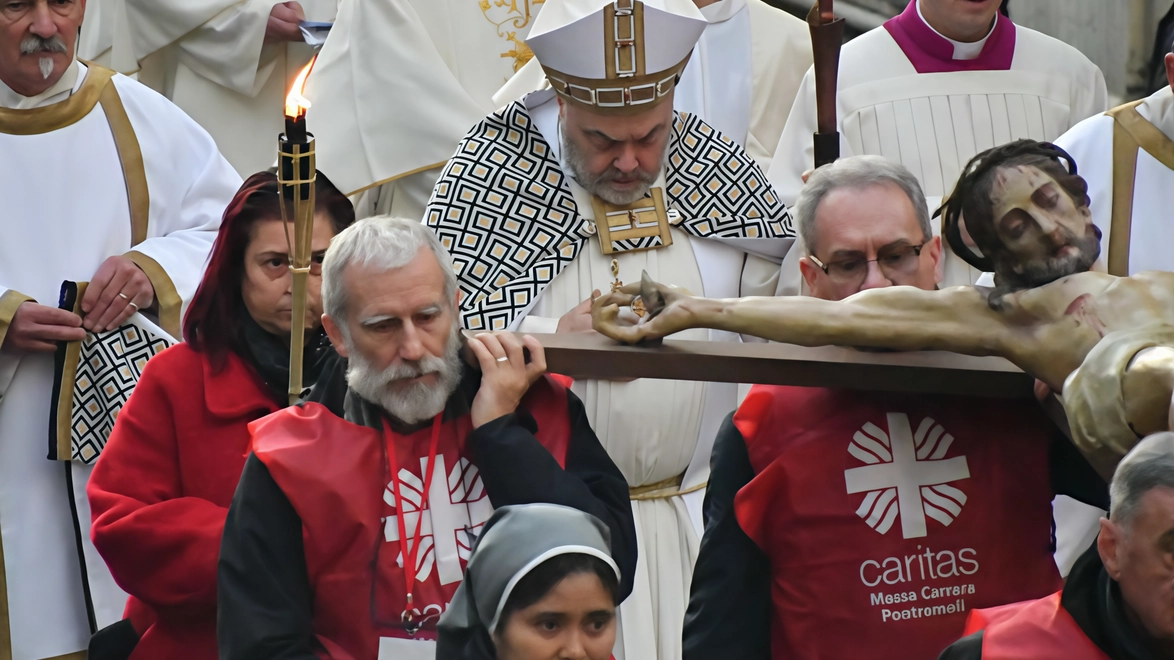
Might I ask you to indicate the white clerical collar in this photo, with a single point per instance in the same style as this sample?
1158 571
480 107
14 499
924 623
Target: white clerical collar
962 50
65 86
722 10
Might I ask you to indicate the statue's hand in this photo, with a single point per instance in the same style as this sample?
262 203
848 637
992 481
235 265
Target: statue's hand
667 311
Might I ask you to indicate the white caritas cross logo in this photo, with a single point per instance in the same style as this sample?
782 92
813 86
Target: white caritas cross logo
457 509
907 474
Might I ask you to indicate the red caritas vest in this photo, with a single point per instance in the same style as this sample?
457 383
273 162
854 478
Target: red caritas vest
887 517
1036 630
337 478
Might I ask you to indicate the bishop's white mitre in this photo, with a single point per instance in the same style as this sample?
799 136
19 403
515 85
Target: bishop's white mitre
615 56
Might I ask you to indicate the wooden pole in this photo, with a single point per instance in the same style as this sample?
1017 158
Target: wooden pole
827 36
587 355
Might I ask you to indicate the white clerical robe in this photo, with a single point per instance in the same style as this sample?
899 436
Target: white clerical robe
399 83
745 72
741 79
1151 233
209 58
1091 143
655 430
79 178
934 123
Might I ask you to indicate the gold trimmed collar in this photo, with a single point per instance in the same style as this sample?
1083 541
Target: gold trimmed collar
35 121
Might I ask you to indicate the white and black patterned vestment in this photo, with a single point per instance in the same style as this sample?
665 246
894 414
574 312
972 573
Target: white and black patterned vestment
504 209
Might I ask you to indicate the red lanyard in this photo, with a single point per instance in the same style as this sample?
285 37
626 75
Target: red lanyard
411 556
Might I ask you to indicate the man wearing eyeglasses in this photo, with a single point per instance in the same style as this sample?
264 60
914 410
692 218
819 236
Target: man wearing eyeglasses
847 523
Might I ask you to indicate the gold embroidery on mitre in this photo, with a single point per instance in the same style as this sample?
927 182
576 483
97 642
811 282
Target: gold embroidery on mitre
627 87
643 219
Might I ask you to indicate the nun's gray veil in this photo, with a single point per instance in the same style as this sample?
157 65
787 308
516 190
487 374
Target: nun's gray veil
514 541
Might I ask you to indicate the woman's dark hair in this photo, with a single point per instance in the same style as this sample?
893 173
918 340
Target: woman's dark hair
546 576
971 200
211 325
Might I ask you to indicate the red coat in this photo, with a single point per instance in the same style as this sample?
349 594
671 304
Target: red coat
161 491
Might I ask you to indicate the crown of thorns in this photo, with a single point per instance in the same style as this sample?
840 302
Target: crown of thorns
975 170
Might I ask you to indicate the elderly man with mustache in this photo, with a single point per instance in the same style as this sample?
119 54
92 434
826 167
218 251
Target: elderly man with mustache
351 526
106 182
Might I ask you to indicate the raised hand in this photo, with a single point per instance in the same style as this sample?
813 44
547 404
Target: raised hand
285 23
117 290
669 310
505 374
37 329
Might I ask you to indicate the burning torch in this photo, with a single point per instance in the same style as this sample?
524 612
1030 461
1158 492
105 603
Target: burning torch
296 171
827 35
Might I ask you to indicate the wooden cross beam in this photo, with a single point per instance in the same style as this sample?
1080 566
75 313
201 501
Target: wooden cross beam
593 356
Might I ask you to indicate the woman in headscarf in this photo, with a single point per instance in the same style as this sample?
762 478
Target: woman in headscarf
160 493
540 585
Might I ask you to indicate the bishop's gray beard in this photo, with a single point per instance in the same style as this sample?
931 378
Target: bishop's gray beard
32 44
413 403
574 160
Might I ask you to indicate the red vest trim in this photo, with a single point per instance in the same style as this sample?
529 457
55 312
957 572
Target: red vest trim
335 475
888 516
1034 630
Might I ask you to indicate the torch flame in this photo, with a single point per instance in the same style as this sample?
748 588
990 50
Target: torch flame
295 103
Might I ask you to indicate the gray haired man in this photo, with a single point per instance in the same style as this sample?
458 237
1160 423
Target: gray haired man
887 514
353 521
1118 602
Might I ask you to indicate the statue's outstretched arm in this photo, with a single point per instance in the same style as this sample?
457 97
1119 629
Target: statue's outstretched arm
899 318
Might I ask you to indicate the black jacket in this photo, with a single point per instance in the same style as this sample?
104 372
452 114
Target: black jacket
1094 601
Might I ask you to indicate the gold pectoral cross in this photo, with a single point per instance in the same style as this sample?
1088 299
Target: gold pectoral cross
643 219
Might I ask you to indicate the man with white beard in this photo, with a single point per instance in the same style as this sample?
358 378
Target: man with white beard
102 181
402 475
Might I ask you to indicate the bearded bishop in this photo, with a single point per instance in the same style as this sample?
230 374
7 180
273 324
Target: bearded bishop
559 195
102 181
227 63
932 88
398 84
741 79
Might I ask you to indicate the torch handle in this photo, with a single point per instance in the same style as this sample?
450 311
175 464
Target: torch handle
827 35
297 339
297 172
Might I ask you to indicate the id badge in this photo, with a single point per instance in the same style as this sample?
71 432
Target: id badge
391 648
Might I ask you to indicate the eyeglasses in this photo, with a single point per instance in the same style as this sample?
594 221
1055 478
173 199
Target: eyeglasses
893 262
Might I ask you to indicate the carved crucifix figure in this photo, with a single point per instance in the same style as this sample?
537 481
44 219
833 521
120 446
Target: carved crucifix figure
1106 343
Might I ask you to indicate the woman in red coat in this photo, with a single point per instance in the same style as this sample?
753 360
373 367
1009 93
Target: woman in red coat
161 490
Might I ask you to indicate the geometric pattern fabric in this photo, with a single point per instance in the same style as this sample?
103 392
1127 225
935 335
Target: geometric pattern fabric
504 210
109 367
